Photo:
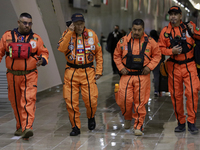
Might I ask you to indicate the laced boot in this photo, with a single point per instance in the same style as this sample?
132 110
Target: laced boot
75 131
91 124
192 129
180 127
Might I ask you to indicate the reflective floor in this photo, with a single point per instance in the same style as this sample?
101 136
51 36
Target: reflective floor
52 127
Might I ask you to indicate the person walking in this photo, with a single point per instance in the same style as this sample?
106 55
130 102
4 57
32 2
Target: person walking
25 51
81 46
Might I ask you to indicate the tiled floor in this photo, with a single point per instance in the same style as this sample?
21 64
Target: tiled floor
52 126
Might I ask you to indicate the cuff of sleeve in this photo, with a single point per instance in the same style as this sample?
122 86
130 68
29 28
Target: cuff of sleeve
120 67
99 72
171 52
44 62
150 66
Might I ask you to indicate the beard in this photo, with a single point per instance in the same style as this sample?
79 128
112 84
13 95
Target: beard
173 22
25 31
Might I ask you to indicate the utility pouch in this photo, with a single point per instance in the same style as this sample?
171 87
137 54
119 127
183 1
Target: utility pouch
135 62
20 50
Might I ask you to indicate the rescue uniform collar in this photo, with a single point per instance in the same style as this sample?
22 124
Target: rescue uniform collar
19 34
169 27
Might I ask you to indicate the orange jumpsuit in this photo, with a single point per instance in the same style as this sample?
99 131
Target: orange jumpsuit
22 78
80 52
181 73
135 88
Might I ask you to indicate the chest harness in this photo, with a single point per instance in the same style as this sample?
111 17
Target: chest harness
20 50
135 61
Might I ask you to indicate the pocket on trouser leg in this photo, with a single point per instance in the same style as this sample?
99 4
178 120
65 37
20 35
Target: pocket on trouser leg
94 94
66 90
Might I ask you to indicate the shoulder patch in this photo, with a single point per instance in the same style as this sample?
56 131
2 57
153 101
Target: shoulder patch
166 35
197 28
149 38
121 40
35 38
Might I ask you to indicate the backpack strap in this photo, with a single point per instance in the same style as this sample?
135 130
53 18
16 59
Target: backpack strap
143 48
129 47
144 45
30 37
13 36
188 29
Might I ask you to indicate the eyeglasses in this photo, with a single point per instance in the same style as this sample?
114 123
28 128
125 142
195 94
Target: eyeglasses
26 23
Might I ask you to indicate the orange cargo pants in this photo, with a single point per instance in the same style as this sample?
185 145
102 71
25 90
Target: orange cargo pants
177 75
22 91
74 80
134 92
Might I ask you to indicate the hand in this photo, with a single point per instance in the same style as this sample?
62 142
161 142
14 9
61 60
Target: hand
191 27
71 27
177 49
40 61
124 71
146 70
97 76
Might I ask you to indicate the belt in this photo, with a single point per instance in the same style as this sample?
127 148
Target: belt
135 73
181 62
19 72
80 66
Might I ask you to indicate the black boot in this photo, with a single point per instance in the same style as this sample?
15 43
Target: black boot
91 124
192 129
180 128
75 131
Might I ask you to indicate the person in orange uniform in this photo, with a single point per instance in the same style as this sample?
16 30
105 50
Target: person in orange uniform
177 40
81 46
22 73
136 55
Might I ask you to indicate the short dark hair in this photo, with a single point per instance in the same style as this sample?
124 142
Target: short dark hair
27 15
154 35
116 26
138 22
